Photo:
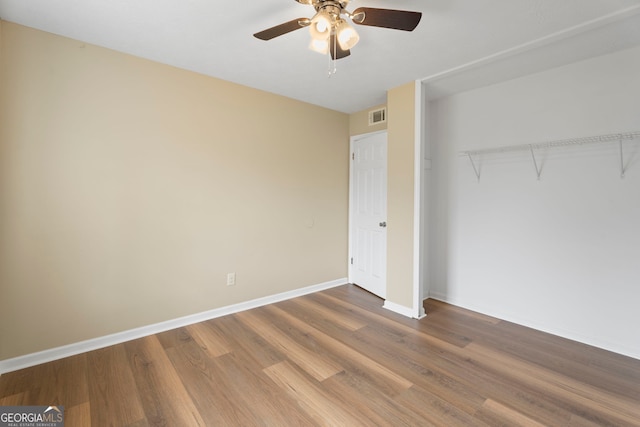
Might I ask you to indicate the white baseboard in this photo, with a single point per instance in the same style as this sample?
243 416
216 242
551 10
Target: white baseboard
49 355
397 308
529 323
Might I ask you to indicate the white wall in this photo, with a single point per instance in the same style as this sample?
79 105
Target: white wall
561 254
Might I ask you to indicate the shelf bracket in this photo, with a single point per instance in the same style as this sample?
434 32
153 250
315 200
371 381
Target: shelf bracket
535 162
473 164
622 168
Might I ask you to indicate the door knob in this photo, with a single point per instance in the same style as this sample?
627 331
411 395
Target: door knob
383 224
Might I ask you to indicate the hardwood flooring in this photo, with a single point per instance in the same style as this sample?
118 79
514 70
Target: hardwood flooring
337 358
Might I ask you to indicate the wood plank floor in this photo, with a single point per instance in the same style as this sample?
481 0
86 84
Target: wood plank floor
337 358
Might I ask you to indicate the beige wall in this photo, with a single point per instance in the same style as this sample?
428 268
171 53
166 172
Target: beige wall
129 189
359 122
400 196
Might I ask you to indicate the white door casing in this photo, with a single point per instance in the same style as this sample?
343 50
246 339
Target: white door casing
367 213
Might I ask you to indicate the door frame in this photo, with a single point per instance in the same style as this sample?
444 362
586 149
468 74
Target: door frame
352 142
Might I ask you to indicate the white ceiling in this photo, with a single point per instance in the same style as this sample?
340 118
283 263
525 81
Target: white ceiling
458 45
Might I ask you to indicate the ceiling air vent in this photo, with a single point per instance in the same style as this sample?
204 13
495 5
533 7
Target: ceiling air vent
377 116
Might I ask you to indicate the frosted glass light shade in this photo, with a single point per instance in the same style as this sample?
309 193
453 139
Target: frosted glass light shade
347 36
320 46
320 28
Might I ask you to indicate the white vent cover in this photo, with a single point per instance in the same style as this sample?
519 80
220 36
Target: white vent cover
377 116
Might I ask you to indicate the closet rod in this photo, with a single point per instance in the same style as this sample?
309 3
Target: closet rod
613 137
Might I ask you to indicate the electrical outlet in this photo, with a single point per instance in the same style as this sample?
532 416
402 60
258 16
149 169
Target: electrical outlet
231 279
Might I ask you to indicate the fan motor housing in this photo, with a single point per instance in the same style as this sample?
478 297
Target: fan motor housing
318 4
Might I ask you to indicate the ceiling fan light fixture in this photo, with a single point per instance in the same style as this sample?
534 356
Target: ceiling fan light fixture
347 35
320 28
330 28
320 46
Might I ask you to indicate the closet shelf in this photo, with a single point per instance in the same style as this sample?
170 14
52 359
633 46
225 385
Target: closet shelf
614 137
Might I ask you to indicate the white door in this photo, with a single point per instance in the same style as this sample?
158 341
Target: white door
368 211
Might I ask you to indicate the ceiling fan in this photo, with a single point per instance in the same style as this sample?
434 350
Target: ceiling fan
330 31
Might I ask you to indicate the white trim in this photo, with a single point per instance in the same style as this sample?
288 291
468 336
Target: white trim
559 332
418 308
397 308
350 213
366 135
49 355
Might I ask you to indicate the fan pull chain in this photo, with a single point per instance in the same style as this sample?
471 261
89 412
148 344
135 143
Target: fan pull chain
332 67
332 58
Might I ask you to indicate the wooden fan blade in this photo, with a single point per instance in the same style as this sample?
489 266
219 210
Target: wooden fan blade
336 51
387 18
281 29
